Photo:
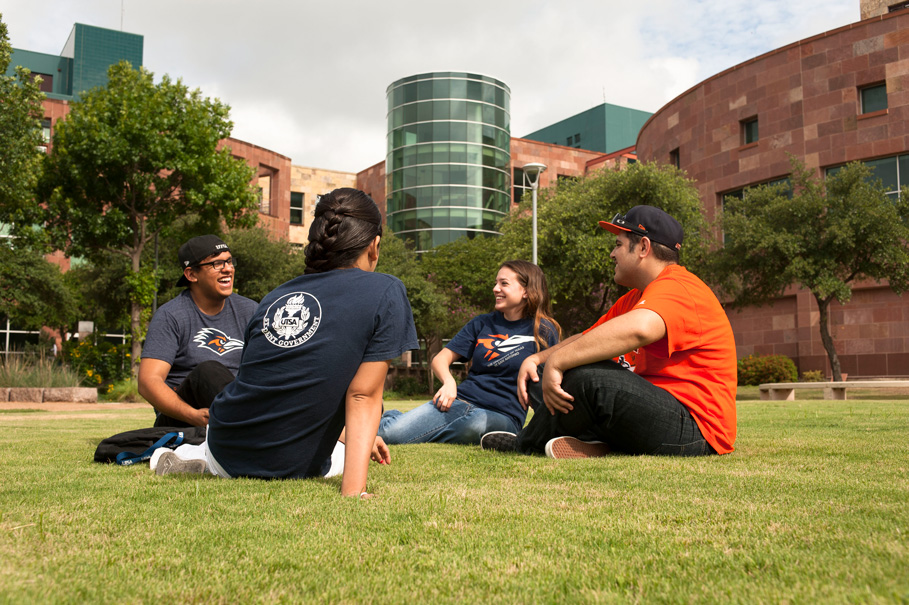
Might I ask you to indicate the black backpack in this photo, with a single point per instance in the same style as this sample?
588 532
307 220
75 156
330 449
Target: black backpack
120 448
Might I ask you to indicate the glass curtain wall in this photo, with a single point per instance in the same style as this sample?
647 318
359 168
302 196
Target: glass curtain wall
448 167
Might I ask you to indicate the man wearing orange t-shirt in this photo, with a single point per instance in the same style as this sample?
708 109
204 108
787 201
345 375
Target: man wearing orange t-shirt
655 375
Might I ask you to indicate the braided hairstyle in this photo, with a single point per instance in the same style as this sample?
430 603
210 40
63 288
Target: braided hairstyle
346 222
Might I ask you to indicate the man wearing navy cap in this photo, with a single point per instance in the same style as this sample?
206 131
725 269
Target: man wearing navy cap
655 375
194 342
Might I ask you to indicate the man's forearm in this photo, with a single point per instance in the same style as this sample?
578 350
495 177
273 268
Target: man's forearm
166 401
542 356
611 339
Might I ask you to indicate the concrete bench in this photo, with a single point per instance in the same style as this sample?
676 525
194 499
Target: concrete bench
785 391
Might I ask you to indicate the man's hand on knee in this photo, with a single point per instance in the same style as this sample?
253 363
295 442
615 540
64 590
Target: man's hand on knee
198 417
554 396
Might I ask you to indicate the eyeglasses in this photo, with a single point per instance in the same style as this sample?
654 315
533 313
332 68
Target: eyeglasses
619 219
217 265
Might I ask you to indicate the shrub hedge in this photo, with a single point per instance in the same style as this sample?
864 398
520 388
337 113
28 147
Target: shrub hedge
756 369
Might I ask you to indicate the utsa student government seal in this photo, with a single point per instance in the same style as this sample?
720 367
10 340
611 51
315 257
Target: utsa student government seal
292 319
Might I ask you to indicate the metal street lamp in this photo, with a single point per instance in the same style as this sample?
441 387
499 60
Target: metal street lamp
532 173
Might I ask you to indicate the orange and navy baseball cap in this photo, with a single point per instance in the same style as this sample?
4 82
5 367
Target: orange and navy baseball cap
650 222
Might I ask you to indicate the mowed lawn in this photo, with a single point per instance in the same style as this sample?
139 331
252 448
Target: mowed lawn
812 507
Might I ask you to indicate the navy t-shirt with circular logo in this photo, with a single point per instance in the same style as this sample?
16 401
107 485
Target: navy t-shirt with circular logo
283 414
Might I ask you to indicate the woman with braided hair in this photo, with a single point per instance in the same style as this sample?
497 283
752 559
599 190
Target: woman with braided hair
317 352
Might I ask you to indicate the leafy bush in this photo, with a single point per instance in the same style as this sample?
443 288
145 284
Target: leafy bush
755 370
412 387
408 387
99 364
813 376
124 391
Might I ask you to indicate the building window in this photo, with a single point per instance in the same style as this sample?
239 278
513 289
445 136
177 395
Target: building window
47 81
520 185
265 194
740 194
674 158
296 208
892 173
749 131
897 7
874 98
45 134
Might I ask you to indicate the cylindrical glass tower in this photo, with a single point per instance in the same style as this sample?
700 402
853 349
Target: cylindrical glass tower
448 167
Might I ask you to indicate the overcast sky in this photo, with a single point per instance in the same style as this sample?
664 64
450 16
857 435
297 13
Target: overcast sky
308 79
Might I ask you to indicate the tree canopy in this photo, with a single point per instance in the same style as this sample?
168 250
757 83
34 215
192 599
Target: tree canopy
825 237
573 250
33 293
134 159
263 263
20 133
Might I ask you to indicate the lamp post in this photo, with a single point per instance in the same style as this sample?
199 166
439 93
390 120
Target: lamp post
532 173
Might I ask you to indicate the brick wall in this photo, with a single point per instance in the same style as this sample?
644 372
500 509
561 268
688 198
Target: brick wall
806 98
313 182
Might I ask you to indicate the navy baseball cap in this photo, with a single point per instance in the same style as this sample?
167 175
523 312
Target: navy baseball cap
197 250
648 221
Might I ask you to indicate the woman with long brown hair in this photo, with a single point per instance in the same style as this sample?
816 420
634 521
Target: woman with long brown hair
496 344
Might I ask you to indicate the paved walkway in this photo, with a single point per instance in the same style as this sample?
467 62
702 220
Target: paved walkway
71 407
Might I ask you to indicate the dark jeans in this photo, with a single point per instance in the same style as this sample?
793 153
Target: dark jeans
618 407
199 389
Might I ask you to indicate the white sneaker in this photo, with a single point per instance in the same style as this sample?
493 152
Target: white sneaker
171 464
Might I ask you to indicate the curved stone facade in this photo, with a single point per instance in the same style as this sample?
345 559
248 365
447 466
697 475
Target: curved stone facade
811 99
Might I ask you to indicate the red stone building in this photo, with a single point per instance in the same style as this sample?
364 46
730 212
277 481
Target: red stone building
837 97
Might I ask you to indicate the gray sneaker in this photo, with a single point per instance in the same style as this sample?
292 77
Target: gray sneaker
500 441
562 448
171 464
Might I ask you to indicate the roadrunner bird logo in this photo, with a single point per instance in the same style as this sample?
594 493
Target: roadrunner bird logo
216 341
499 344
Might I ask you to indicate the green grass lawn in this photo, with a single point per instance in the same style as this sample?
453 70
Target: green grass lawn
813 506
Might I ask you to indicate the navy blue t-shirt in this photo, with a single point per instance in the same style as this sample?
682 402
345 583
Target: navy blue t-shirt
284 413
497 347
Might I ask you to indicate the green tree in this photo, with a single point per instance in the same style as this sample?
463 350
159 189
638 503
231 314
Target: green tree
135 159
20 136
573 250
101 292
263 263
465 272
32 290
428 304
825 238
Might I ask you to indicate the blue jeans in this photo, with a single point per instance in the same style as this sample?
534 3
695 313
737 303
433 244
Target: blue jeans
618 407
463 423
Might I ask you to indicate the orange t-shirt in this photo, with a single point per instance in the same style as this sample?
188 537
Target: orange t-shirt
696 361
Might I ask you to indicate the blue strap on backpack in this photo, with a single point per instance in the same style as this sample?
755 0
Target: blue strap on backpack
127 458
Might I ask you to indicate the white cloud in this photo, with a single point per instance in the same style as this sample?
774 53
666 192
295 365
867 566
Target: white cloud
307 78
